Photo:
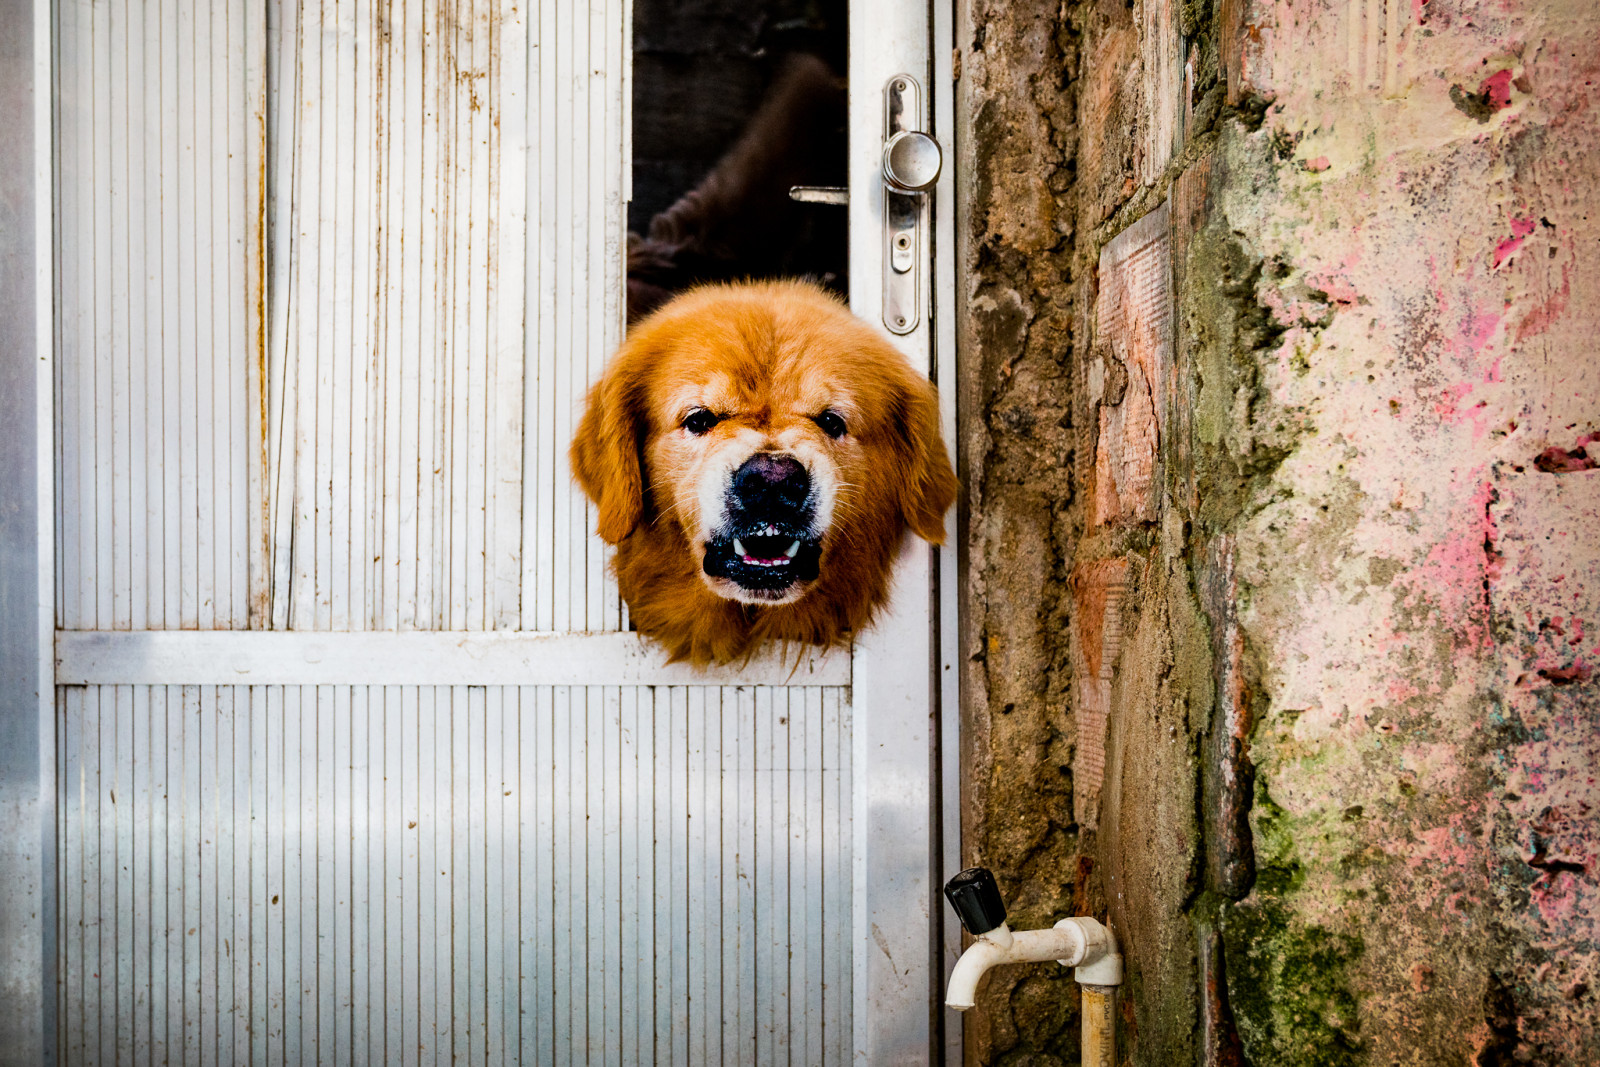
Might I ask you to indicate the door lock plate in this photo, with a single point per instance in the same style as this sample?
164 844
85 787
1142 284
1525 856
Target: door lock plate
911 162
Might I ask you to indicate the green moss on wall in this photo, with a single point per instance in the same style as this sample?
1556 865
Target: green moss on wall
1287 987
1287 982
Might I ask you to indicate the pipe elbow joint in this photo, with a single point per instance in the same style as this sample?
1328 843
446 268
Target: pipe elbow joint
985 951
1097 962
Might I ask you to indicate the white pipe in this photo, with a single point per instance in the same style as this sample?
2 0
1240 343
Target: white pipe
1098 975
1081 943
1071 942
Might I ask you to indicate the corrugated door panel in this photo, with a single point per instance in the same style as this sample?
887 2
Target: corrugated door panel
446 280
152 360
468 874
350 873
156 940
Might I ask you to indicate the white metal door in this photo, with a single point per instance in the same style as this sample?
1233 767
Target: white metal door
355 759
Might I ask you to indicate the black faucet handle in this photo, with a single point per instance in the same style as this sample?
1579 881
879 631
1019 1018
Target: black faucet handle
976 897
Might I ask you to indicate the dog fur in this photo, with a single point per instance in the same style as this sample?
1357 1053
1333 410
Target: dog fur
768 360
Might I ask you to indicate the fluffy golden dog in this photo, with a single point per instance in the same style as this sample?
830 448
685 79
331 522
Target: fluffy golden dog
757 453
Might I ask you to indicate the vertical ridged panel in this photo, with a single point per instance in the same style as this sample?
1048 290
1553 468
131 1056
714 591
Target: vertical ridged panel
447 274
562 875
153 426
576 103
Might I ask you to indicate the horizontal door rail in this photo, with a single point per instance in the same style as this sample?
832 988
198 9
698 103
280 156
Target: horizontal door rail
261 657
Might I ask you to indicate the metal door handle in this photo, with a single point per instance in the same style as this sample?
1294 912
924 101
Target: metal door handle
911 163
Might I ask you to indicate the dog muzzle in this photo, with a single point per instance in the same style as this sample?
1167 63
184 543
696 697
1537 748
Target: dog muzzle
768 543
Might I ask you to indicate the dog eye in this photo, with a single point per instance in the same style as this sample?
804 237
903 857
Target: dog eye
700 421
830 423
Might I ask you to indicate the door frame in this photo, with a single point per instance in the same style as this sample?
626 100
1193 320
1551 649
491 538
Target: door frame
906 761
28 934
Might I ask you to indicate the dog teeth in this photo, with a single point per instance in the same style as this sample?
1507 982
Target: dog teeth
770 531
781 561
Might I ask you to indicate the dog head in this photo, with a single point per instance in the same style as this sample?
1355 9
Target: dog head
785 441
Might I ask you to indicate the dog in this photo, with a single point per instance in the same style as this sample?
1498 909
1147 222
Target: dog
756 453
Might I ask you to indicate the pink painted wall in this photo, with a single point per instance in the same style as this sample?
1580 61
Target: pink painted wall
1421 588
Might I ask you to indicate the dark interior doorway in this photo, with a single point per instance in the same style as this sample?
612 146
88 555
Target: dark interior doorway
734 102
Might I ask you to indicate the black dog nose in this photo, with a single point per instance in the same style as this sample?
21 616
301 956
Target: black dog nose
766 480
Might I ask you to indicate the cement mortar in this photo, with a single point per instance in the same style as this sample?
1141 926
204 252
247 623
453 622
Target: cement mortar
1017 138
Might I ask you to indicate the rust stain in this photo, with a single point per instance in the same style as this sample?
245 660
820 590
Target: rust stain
258 564
1229 780
469 79
1220 1045
1565 461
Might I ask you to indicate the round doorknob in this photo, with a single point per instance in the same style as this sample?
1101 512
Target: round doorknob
911 161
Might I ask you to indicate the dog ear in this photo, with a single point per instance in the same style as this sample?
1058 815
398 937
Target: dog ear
929 486
605 451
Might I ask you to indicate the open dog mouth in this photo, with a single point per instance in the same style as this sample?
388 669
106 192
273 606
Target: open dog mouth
765 561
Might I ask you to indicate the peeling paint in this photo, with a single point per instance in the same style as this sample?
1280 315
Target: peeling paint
1416 649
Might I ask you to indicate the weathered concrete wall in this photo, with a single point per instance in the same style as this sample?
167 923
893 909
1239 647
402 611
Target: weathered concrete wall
1281 388
1015 458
